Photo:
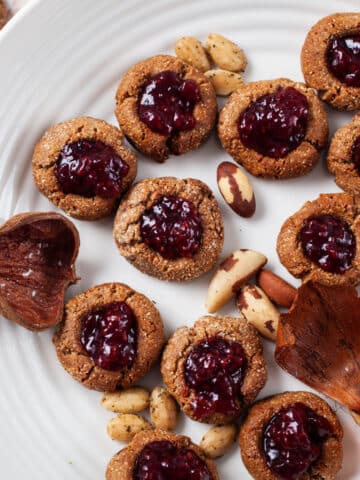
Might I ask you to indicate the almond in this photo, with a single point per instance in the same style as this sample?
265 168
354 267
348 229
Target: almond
225 53
231 275
235 187
191 51
277 289
258 310
224 82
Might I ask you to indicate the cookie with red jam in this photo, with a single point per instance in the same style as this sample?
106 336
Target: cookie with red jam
291 436
165 106
344 156
274 128
321 242
170 228
110 337
330 60
156 454
215 369
82 167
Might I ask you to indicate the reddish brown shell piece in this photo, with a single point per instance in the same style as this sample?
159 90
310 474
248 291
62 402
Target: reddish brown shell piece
37 255
318 341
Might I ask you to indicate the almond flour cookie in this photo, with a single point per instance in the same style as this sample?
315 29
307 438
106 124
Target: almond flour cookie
215 369
274 128
4 13
291 435
83 167
321 242
330 60
170 228
344 156
110 337
165 106
161 455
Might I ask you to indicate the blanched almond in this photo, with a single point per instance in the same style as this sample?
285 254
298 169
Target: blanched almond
191 51
231 275
225 53
218 439
124 427
130 400
277 289
224 81
164 410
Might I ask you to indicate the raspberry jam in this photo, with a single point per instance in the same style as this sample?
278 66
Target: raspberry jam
355 154
90 167
275 124
215 369
172 227
109 335
343 59
164 461
328 241
293 439
166 103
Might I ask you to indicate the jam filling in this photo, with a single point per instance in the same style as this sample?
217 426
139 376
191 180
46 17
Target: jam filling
166 103
343 59
276 123
172 227
109 336
293 439
355 154
328 241
162 460
215 370
90 167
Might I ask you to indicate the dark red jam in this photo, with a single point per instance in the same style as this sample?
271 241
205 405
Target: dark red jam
109 335
172 227
215 370
275 124
90 167
343 59
164 461
355 154
166 103
293 440
328 241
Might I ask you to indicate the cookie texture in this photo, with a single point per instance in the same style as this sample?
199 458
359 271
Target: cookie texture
296 163
314 65
342 205
139 134
339 158
128 237
73 356
47 152
185 339
4 13
121 466
259 415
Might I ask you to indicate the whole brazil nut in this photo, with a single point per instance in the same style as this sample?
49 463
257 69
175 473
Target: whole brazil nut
258 310
236 189
224 81
277 289
190 50
218 439
225 53
231 275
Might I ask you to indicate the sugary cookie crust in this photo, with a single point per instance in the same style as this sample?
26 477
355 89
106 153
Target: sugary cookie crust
289 247
139 134
47 152
339 157
183 341
75 359
313 60
128 238
297 162
251 434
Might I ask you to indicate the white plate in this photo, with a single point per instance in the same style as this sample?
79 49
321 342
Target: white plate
62 59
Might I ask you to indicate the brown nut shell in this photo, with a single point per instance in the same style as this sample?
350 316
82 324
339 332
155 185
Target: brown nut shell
37 256
276 288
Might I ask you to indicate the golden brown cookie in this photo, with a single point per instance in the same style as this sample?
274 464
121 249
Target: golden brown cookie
325 45
256 127
82 167
4 13
321 242
170 228
262 445
214 369
110 337
344 156
174 124
163 454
